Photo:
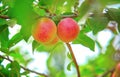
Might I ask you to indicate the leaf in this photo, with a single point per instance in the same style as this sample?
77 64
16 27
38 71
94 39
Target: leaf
61 74
15 69
3 27
69 55
16 55
49 5
97 23
35 45
114 14
56 60
23 12
1 60
69 66
106 2
51 48
9 3
25 73
4 40
39 11
3 71
15 66
15 39
65 6
85 40
2 22
85 7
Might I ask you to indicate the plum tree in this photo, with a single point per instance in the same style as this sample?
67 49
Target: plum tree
67 29
44 30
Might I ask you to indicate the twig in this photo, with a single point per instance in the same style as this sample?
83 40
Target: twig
24 67
106 73
46 10
74 60
4 17
71 16
62 16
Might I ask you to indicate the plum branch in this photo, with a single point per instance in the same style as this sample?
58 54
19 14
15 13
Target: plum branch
106 73
74 60
7 58
4 17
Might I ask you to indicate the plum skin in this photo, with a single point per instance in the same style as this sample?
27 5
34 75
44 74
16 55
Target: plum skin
44 30
67 29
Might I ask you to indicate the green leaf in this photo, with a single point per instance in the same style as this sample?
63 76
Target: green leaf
56 65
39 11
24 14
49 5
61 74
15 66
114 14
3 71
65 6
3 27
15 39
85 7
1 60
25 73
35 45
8 2
15 69
69 66
97 23
4 40
85 40
18 56
106 2
2 22
69 55
49 48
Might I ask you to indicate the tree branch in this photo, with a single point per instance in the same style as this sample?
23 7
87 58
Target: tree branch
24 67
106 73
4 17
74 60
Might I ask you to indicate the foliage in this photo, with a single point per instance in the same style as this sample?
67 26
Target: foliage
95 15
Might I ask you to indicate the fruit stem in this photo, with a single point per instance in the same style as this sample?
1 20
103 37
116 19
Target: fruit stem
74 60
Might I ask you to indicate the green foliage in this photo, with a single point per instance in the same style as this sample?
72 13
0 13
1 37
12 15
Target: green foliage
114 14
85 40
97 24
25 13
4 38
15 39
101 64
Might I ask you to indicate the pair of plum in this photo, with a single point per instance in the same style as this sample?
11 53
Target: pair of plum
45 30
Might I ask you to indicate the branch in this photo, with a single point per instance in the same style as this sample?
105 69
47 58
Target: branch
25 68
71 16
4 17
74 60
106 73
3 10
46 10
62 16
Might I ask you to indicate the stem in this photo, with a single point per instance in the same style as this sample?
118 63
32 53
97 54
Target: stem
4 17
106 73
74 60
24 67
